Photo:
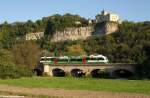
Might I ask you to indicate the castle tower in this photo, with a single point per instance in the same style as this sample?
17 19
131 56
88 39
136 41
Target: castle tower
103 12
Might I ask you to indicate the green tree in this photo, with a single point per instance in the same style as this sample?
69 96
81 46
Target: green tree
143 63
75 50
26 53
8 69
6 58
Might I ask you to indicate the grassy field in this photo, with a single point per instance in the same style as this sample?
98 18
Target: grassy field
131 86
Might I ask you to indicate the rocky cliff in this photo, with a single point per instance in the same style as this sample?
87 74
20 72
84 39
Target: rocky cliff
84 32
72 34
105 28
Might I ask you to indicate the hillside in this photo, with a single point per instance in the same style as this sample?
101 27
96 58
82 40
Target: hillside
129 42
130 37
48 25
82 33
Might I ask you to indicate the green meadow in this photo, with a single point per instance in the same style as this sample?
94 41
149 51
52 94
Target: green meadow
112 85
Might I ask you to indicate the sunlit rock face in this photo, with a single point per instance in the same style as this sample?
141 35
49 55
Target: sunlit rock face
72 34
106 28
85 32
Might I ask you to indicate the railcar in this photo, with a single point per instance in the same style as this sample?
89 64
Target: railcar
92 59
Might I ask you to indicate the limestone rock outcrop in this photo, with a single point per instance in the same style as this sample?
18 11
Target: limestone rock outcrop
85 32
72 34
106 28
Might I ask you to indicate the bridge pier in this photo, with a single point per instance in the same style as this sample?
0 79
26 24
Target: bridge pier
47 70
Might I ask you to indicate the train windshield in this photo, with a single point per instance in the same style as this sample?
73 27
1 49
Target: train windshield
46 59
98 58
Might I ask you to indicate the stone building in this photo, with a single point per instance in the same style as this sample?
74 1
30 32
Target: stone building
107 17
34 36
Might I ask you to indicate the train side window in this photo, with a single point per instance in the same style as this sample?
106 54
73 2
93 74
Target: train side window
63 60
87 58
79 59
92 59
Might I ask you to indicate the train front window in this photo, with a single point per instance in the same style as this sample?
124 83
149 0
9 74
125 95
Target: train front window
100 58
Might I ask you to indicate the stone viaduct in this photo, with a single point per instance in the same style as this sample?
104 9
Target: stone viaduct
114 69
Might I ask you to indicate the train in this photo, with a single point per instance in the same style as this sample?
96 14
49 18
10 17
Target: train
91 59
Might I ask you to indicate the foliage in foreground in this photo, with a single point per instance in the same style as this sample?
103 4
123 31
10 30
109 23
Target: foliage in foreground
13 72
143 67
26 53
8 70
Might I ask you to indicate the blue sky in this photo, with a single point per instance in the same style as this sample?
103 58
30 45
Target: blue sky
23 10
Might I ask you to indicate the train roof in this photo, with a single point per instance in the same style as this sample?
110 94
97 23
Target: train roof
63 57
97 56
75 57
43 57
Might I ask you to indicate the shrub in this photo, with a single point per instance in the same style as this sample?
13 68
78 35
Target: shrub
7 72
13 72
142 70
25 72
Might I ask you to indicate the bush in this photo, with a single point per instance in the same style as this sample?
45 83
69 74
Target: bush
25 72
9 70
143 70
13 72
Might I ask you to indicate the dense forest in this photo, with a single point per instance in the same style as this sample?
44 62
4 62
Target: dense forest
130 44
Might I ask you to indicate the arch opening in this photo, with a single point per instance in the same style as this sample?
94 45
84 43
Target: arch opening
98 73
38 72
77 73
122 73
58 72
95 73
39 69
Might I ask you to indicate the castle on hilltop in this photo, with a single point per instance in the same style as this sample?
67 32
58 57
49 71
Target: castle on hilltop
107 17
104 23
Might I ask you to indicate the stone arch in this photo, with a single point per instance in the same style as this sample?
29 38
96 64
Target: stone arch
39 69
58 72
95 73
38 72
77 72
122 73
98 73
